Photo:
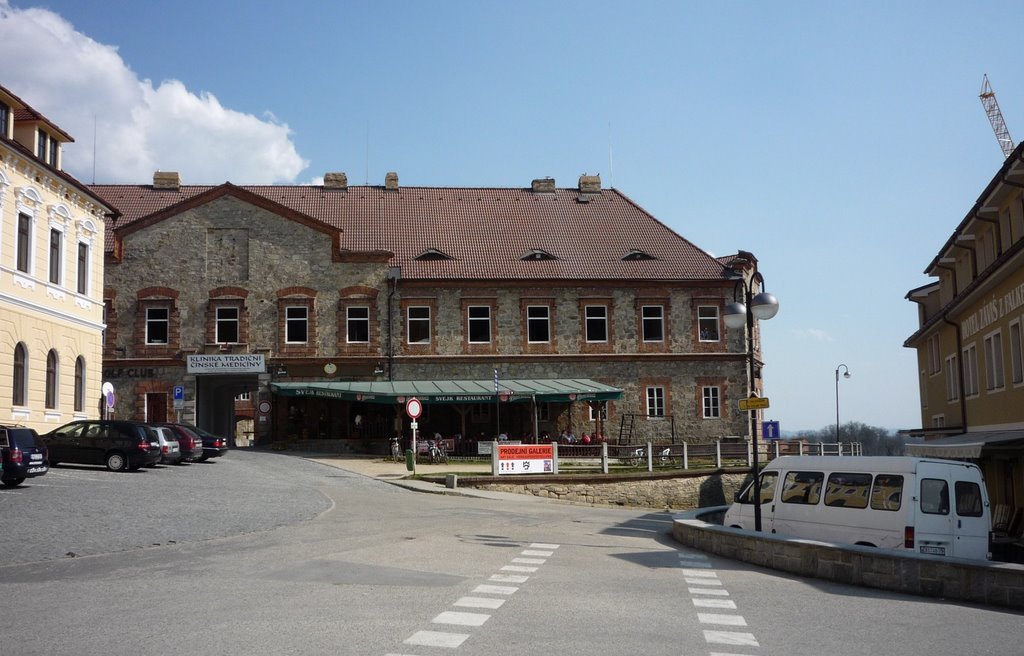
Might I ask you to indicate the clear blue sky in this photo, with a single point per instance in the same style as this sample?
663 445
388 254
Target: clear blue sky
841 142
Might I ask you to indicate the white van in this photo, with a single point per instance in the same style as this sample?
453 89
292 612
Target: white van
887 502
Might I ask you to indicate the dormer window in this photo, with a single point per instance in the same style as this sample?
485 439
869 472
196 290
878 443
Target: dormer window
42 144
637 255
5 120
537 254
433 254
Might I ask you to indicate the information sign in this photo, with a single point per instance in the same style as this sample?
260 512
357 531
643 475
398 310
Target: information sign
754 403
525 459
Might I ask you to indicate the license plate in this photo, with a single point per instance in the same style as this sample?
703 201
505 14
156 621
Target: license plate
935 551
36 456
37 470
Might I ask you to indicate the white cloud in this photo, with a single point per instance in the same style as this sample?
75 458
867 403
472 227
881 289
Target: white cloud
82 85
816 334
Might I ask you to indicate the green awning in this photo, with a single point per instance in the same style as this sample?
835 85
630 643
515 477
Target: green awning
542 390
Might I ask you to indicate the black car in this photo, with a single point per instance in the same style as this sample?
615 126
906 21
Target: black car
119 444
214 446
22 455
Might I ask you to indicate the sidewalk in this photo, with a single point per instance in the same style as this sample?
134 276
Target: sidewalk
396 473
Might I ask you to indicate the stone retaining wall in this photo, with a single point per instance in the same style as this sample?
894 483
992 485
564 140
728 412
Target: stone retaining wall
674 491
999 584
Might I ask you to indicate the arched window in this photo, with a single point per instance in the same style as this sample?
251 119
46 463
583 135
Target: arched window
79 384
20 371
51 380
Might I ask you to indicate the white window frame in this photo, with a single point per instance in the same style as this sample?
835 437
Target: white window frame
1016 353
659 319
351 321
995 375
599 315
711 402
702 320
236 320
477 321
26 239
654 396
292 318
970 355
530 320
83 279
592 416
952 379
420 321
151 321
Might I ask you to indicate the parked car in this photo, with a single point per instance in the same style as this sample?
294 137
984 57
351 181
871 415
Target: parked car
22 455
190 443
119 444
214 446
170 450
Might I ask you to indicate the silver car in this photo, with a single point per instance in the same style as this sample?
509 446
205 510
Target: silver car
170 452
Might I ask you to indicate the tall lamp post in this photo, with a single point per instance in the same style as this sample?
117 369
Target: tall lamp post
761 306
846 374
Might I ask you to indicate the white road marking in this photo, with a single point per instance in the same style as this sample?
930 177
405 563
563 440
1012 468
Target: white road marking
696 563
462 619
437 639
693 581
535 552
530 561
708 591
728 620
538 545
686 556
518 568
495 589
731 638
700 573
479 602
715 603
722 653
508 578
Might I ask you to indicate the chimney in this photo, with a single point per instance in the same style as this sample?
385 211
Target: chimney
590 184
166 180
545 185
337 181
391 181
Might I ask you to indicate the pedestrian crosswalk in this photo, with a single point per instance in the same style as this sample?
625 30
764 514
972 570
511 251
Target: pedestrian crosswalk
707 593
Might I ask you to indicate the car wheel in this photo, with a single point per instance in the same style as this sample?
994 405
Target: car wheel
13 482
116 462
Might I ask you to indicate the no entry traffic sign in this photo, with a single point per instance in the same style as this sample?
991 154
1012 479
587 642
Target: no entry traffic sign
413 408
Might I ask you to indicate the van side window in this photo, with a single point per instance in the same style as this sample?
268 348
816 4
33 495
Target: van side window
802 487
934 496
968 499
887 492
848 490
767 489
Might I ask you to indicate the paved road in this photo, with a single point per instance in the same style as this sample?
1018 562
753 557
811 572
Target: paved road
337 563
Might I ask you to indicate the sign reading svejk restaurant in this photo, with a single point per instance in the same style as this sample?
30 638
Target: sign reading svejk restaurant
244 363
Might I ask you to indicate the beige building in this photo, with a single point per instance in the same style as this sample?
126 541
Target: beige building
51 276
970 341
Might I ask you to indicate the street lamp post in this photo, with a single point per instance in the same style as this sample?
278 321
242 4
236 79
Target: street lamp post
762 306
846 374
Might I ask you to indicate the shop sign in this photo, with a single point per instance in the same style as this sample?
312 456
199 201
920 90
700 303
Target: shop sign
244 363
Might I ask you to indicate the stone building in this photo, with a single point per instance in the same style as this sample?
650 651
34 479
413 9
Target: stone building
524 310
969 341
51 276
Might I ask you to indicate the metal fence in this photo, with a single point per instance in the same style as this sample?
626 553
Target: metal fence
712 455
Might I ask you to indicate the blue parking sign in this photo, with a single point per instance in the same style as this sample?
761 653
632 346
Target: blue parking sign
770 430
179 392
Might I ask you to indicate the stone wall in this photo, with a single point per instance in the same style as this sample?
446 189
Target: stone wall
674 491
1000 584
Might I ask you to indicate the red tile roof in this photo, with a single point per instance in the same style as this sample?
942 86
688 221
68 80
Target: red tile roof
486 231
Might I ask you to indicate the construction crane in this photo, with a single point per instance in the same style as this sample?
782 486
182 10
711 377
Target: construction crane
995 117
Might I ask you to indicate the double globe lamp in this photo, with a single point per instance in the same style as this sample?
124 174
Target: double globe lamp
762 306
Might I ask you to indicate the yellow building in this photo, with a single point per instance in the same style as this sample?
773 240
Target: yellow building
970 340
51 276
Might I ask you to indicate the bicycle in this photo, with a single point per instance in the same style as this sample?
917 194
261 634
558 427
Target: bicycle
396 450
438 454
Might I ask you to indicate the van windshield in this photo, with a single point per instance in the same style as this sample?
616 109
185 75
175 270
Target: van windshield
767 489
